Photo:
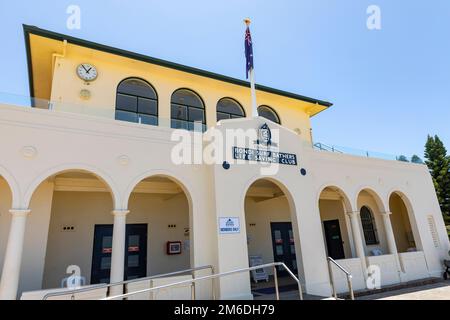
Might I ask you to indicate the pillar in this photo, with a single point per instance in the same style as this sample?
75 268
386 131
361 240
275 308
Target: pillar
358 240
9 282
390 238
118 249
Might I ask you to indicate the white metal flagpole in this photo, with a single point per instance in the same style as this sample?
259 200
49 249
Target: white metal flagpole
252 82
253 91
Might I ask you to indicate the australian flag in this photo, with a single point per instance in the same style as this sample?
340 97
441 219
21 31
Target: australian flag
248 51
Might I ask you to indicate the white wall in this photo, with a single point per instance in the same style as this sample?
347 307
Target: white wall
47 142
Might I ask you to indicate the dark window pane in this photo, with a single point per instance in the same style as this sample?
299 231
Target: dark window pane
105 263
137 87
179 112
126 116
187 98
147 106
179 124
368 225
133 261
197 115
268 113
227 105
127 103
236 117
222 116
148 119
196 126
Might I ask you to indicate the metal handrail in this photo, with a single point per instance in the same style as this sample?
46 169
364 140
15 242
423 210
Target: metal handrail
324 147
125 282
218 275
347 274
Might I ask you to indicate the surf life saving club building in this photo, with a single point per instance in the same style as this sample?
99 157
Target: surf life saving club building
106 169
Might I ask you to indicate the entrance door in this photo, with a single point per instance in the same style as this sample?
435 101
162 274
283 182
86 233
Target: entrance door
334 239
283 246
135 252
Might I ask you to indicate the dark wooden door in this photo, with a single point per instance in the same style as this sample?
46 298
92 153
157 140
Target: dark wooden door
135 252
334 239
284 246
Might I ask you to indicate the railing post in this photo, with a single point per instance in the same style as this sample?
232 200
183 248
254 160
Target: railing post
330 272
275 277
213 285
193 286
192 291
350 287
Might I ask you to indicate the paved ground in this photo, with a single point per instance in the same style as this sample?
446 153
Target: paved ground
437 291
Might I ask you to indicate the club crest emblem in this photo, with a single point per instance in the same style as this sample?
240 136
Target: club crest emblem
264 135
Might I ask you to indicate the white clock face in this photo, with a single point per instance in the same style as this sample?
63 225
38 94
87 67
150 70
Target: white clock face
87 72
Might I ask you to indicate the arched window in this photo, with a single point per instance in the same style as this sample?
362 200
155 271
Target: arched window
136 101
228 108
368 225
268 113
186 109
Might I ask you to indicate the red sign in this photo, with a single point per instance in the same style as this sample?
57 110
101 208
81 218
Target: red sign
107 250
133 249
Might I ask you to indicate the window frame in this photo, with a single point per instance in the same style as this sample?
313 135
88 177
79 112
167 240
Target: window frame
272 110
231 115
369 227
137 114
189 123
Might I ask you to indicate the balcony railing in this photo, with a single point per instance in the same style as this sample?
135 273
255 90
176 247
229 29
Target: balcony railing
106 112
365 153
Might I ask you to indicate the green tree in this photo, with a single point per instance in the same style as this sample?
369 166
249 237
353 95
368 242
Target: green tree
439 165
402 158
416 159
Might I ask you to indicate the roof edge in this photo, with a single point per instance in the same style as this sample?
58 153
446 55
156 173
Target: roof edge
28 29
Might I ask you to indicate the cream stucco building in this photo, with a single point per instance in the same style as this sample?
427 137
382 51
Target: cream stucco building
88 178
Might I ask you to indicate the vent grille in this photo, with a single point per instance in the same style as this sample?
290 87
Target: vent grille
433 231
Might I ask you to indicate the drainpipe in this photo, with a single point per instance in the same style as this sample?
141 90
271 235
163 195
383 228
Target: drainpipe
59 55
54 57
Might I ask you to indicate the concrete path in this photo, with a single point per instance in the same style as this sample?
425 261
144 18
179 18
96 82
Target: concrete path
436 291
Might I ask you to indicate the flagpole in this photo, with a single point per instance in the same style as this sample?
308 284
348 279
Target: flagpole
252 83
253 91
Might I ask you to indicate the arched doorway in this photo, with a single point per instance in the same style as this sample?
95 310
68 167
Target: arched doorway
336 226
70 206
272 233
407 239
404 233
162 206
5 217
373 232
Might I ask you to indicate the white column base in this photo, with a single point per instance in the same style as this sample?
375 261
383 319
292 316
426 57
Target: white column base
9 282
118 250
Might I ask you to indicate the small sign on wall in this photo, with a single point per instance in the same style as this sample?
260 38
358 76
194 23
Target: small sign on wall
229 225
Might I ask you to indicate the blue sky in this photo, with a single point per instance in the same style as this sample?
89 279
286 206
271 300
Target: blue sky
390 87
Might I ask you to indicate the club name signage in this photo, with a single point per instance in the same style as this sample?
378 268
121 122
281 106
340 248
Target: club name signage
264 156
261 155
